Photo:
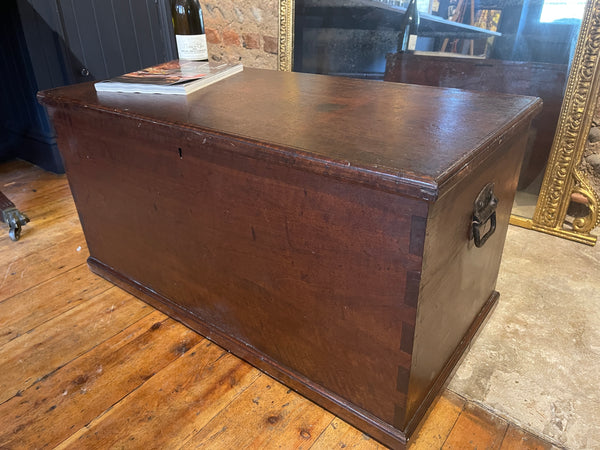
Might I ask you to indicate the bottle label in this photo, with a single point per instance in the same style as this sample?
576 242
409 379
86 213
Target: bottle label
412 42
192 46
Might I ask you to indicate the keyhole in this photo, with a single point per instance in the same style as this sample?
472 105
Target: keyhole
180 153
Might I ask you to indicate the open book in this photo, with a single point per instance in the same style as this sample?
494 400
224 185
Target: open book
174 77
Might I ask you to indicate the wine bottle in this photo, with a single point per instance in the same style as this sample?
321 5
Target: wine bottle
407 39
188 25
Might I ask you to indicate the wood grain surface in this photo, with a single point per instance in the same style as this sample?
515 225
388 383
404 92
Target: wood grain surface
411 140
539 79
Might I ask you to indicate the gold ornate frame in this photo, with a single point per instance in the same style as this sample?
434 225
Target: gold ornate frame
286 35
562 177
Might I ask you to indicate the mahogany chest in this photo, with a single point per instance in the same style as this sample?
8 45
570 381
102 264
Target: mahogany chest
344 236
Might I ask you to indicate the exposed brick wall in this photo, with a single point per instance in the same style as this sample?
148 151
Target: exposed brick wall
242 31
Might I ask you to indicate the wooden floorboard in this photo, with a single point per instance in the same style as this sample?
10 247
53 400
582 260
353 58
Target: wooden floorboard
34 355
86 365
32 307
277 416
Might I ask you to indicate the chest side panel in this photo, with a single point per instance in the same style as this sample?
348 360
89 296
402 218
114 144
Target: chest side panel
320 275
458 279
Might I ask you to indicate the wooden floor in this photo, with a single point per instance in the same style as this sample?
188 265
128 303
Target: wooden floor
85 365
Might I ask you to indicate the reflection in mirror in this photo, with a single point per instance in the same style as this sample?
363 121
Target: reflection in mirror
513 46
352 37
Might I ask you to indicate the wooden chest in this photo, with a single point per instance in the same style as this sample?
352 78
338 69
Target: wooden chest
320 228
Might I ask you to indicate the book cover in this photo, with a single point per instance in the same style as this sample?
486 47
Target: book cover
174 77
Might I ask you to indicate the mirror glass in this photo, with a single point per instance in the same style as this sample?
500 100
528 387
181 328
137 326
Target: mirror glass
513 46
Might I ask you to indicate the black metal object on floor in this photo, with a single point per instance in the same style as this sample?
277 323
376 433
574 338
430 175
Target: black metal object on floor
11 216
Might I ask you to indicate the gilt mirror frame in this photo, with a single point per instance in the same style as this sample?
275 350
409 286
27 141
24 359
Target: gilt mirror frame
562 177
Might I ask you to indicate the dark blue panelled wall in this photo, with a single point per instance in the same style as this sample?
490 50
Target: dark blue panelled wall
51 43
25 131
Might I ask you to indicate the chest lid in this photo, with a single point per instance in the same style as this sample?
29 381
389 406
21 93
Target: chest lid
405 138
